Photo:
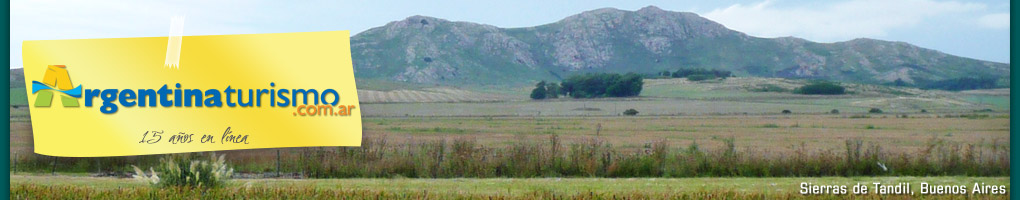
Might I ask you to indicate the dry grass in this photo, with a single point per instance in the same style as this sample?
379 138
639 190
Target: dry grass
817 132
428 95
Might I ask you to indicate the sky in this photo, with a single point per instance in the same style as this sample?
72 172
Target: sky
974 29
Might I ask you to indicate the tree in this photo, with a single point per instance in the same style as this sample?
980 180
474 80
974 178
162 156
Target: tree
552 90
566 87
539 92
666 73
899 82
633 82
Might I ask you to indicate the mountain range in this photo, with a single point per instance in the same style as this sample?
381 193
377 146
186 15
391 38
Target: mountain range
422 49
427 50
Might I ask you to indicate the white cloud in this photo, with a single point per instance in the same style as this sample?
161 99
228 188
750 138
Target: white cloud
995 21
836 21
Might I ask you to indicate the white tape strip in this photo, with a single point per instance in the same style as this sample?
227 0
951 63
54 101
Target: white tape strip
173 44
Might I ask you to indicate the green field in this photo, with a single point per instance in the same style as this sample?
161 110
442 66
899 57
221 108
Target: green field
681 97
999 102
18 97
742 188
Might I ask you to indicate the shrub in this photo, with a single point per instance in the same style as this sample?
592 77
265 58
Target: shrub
834 111
686 73
699 77
821 88
924 111
875 111
768 88
630 112
787 112
187 171
539 92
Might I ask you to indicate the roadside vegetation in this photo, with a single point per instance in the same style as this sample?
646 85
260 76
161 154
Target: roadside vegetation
465 157
187 170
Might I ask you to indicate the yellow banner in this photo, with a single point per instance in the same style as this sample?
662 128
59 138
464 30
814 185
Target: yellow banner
115 97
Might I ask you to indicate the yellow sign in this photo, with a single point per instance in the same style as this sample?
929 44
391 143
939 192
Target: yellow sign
229 92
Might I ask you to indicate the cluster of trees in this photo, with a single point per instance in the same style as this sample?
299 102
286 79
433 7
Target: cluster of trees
822 88
958 84
591 86
697 74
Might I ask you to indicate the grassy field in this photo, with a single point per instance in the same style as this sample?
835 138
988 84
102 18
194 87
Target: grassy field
776 133
761 145
540 188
